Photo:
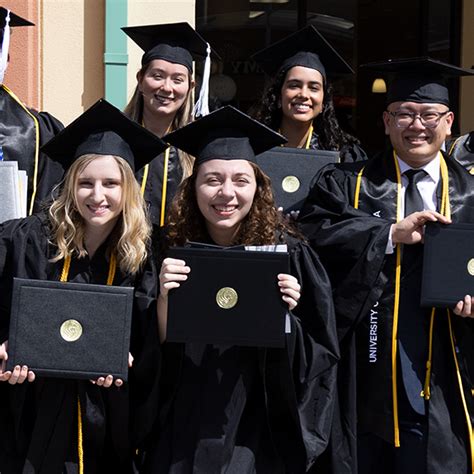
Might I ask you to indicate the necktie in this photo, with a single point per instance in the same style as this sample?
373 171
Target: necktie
413 199
411 336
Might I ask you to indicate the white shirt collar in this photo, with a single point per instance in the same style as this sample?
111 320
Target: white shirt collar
432 168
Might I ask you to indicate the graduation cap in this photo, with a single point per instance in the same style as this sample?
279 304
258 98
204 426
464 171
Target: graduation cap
307 48
226 134
104 130
15 20
420 80
177 43
8 19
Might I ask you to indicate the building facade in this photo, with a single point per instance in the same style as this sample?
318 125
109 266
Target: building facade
77 53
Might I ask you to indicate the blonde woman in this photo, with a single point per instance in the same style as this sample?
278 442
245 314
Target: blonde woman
98 228
163 102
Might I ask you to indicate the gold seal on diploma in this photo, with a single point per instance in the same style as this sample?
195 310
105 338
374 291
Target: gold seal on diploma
290 184
470 267
71 330
226 298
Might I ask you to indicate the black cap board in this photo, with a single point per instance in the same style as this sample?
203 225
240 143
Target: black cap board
226 134
420 80
308 48
104 130
174 42
15 20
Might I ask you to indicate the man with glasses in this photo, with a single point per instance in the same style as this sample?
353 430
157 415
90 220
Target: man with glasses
407 373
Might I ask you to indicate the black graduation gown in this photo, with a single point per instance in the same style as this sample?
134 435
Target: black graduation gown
462 150
39 420
348 153
246 410
154 183
18 128
352 246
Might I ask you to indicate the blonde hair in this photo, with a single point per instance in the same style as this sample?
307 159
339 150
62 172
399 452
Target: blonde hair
131 235
134 110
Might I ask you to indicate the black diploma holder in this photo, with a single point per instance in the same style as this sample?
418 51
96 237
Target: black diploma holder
291 171
231 297
448 264
70 330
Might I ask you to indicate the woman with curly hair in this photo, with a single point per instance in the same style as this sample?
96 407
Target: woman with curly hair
229 408
298 100
163 102
97 232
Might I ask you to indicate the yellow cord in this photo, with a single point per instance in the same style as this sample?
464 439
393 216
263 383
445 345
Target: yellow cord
461 390
37 141
426 392
110 280
145 178
308 139
164 188
357 189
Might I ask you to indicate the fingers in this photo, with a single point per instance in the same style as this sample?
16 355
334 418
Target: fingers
172 272
464 307
19 375
130 360
107 382
290 289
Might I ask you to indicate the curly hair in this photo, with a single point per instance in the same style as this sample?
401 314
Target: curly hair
263 225
330 134
134 110
131 235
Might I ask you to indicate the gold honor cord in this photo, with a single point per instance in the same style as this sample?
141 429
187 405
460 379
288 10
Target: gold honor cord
110 280
308 137
37 138
445 210
461 389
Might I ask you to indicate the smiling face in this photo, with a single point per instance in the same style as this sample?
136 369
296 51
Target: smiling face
98 194
416 144
302 94
225 190
164 86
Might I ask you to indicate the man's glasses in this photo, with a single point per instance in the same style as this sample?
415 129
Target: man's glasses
427 119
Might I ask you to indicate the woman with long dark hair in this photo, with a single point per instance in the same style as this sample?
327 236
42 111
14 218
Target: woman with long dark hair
298 100
230 408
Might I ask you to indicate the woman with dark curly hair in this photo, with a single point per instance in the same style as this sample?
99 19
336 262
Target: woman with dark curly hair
298 101
229 408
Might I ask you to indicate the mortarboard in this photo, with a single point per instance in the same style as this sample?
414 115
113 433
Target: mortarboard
177 43
226 134
307 48
420 80
105 130
8 19
15 20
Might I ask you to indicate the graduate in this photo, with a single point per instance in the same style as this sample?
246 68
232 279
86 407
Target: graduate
406 372
462 150
96 231
163 102
298 100
23 130
242 409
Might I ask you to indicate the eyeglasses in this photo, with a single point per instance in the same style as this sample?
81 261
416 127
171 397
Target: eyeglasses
427 119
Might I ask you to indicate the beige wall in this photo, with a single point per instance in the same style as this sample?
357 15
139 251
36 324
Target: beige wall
467 60
150 12
72 56
72 48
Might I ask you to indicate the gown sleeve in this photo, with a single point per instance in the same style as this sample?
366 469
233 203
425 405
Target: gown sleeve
50 172
300 380
350 242
145 349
